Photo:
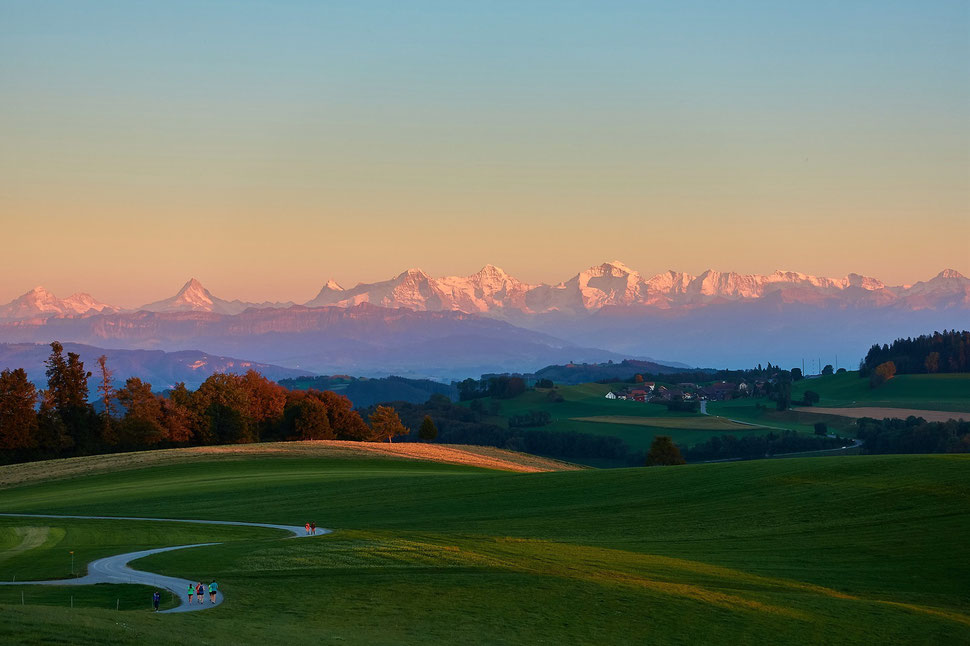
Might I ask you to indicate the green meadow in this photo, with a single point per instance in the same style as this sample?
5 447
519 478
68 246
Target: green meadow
827 550
585 409
946 392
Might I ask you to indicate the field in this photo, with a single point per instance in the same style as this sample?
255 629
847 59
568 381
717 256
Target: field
585 409
944 392
825 550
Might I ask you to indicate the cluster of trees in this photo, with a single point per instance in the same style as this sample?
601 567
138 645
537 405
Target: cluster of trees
225 409
462 425
913 435
364 391
947 351
725 447
499 386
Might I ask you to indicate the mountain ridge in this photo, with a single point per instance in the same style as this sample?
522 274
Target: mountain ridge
493 292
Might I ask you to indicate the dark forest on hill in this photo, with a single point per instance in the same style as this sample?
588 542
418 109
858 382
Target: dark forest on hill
940 352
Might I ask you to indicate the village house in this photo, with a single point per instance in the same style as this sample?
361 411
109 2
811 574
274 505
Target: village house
611 395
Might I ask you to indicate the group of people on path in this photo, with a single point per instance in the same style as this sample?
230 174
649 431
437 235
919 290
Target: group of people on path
195 590
311 528
199 590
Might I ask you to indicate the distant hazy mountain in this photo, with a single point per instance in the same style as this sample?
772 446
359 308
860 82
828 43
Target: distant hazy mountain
193 297
161 369
363 340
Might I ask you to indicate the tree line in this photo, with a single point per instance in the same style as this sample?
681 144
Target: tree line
60 420
913 435
947 351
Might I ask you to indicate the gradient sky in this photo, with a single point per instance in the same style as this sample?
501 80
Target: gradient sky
264 147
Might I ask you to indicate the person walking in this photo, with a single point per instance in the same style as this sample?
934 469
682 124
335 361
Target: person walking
200 592
308 529
313 528
213 588
191 592
155 599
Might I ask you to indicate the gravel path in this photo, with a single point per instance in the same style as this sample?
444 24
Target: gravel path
115 569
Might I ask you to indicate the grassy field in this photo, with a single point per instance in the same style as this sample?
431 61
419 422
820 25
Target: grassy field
946 392
825 550
702 423
585 409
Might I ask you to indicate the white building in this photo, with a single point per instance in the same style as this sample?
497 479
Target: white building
611 395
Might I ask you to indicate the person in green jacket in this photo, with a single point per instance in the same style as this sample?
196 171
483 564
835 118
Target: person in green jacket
191 592
213 588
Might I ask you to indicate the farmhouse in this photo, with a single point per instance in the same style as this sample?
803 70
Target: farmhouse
611 395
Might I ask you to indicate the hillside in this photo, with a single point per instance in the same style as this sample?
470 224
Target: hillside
161 369
854 550
476 456
944 392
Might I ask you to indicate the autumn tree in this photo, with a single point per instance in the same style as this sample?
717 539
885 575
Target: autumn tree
346 423
176 420
266 401
932 362
663 452
142 423
18 420
385 423
883 373
180 415
428 431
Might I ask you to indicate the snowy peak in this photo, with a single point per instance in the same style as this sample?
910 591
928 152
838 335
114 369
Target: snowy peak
950 273
194 297
40 303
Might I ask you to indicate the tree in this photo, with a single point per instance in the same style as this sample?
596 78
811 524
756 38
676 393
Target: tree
181 415
346 423
221 406
67 395
828 370
663 452
428 431
106 391
385 423
821 428
638 379
810 397
883 373
796 374
932 362
307 419
18 421
266 399
142 423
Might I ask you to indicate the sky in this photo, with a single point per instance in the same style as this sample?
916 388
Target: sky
265 147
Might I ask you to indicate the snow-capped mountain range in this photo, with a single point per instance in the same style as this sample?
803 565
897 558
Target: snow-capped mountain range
493 292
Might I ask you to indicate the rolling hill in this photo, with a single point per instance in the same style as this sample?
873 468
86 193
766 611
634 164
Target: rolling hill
852 550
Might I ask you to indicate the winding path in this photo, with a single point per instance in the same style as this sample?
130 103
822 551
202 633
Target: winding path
115 569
